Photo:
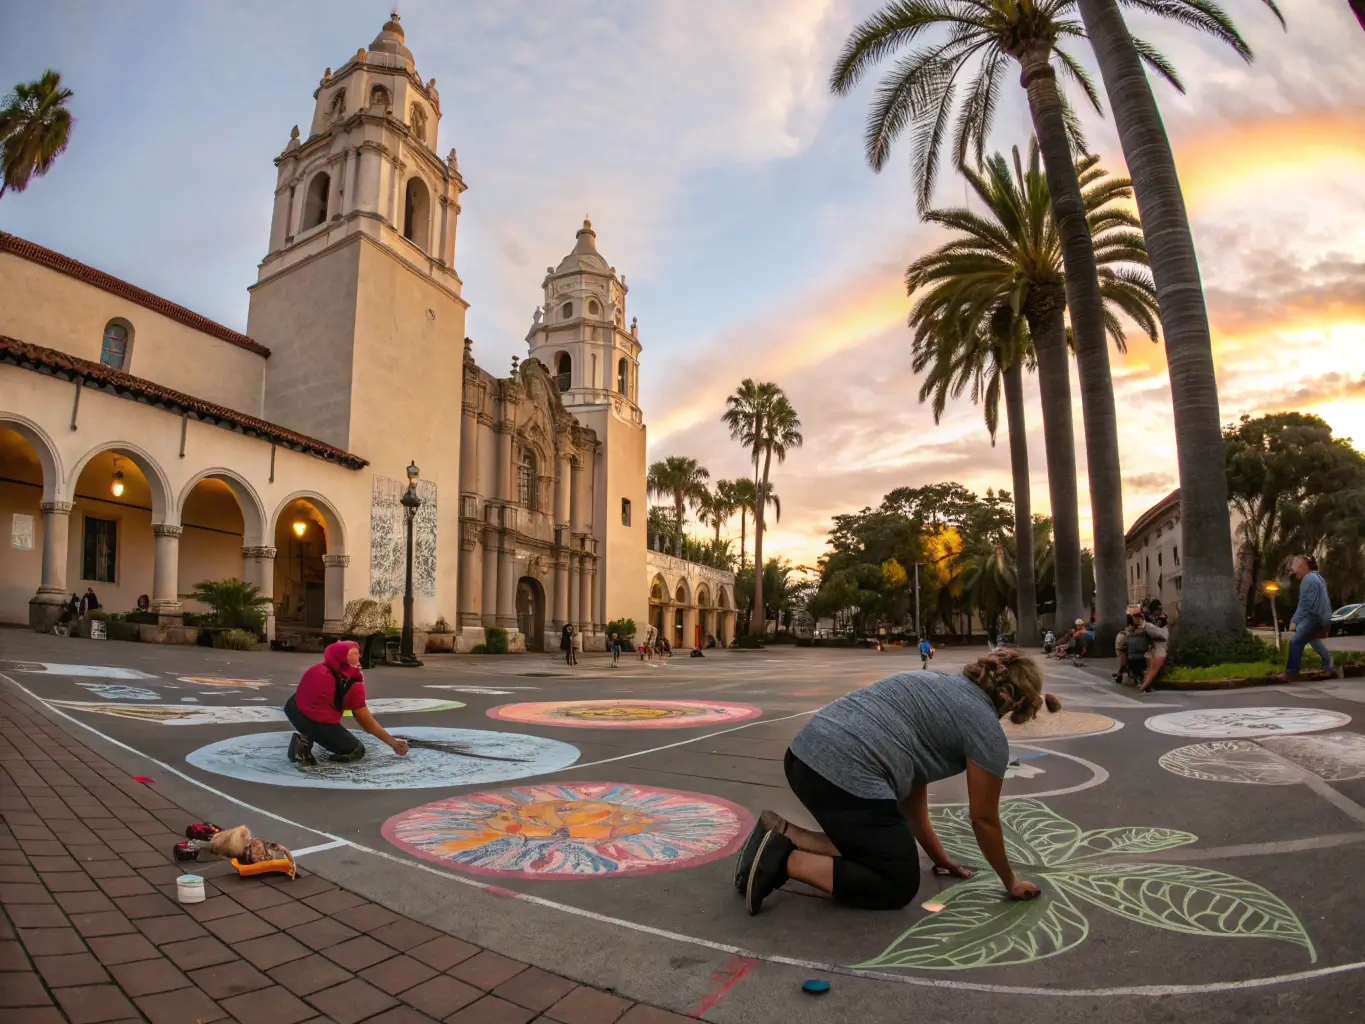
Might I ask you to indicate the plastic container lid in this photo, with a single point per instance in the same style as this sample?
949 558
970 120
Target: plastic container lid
815 986
190 880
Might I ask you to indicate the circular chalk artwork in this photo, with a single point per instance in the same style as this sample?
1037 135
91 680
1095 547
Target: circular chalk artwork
438 757
178 714
1273 761
574 830
1230 761
250 684
626 714
1247 723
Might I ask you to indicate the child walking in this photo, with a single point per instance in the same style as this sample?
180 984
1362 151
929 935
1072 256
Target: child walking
615 650
925 652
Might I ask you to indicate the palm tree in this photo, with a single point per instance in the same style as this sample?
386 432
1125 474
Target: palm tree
993 304
744 493
1208 587
683 480
35 128
716 508
921 92
762 419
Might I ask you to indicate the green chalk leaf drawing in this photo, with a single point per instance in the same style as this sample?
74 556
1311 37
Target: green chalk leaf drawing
980 927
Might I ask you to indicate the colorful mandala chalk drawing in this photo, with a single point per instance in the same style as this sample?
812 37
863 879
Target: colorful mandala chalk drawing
626 714
1247 723
114 691
572 831
446 757
1077 872
98 671
251 684
1272 761
178 714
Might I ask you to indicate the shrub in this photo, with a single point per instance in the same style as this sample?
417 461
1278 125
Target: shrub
748 641
234 640
98 614
479 649
441 625
495 639
1200 649
149 618
123 630
624 628
236 605
364 616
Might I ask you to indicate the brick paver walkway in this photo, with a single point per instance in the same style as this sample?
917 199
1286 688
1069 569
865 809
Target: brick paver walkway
92 932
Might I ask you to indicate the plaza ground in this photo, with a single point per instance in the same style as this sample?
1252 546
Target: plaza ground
679 937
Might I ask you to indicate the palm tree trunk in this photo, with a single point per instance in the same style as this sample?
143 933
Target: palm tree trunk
1026 610
759 627
743 538
678 512
1208 586
1086 309
1044 315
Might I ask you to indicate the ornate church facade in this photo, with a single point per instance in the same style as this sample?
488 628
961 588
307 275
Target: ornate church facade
144 448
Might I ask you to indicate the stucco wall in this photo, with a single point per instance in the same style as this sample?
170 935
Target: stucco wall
161 349
620 474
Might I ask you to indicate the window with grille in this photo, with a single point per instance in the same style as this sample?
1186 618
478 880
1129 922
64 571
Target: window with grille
100 554
114 350
526 479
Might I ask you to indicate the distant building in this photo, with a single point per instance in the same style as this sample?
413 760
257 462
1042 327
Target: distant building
1153 552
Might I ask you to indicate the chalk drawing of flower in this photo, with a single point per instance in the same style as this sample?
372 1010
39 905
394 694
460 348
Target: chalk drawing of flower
979 927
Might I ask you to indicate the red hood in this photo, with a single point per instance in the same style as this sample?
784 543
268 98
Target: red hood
334 657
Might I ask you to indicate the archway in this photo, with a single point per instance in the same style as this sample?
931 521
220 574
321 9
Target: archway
124 541
531 612
658 600
705 627
28 476
723 618
416 213
682 617
213 531
300 571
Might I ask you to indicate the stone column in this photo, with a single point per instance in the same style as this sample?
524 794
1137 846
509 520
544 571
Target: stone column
471 575
334 591
258 567
367 192
166 573
279 221
507 481
574 574
45 607
489 611
585 615
507 584
345 200
578 496
559 608
595 598
563 488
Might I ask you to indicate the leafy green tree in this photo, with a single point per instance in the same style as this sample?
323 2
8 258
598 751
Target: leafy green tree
683 481
35 129
1208 585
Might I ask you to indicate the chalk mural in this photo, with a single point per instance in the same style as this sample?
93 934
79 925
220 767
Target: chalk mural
178 714
1272 761
388 539
979 927
96 671
247 684
114 691
626 714
1245 723
439 757
576 830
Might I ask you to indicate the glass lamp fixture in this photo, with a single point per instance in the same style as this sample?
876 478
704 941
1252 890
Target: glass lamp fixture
299 527
116 481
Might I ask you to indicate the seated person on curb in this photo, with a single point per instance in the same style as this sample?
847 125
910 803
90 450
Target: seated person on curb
1156 654
330 687
862 765
1152 615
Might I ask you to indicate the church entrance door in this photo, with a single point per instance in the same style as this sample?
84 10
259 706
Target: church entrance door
531 612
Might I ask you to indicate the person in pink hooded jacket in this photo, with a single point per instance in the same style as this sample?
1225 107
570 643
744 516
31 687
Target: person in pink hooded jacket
326 690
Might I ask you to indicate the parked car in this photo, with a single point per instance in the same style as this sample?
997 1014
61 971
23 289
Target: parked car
1348 619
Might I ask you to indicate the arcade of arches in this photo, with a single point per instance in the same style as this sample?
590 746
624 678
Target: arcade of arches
691 605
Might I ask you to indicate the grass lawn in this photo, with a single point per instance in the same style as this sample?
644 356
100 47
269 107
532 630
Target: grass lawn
1256 669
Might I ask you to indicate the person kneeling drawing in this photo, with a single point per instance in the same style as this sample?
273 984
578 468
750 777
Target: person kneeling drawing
326 690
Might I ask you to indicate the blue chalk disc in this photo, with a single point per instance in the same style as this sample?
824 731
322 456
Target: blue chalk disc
815 986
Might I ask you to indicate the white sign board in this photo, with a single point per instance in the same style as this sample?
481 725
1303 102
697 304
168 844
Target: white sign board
21 535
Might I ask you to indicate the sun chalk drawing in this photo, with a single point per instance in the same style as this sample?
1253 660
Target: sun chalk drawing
95 671
178 714
572 831
113 691
1246 723
251 684
626 714
1272 761
979 927
490 757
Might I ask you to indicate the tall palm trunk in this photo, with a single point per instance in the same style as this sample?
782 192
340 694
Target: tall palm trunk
679 510
759 626
743 538
1044 314
1208 588
1092 352
1026 612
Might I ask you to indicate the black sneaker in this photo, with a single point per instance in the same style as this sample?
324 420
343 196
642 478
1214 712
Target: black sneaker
768 871
747 853
301 751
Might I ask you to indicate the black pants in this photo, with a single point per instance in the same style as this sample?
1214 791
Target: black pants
878 866
337 740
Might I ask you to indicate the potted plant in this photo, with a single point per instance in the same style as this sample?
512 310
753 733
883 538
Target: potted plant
440 638
236 606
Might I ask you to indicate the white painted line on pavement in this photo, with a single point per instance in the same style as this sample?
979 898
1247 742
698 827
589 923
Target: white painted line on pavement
319 848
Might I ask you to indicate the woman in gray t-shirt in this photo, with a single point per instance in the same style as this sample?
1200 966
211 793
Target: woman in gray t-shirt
861 766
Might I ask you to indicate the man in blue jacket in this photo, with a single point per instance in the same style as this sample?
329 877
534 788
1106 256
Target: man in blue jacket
1312 616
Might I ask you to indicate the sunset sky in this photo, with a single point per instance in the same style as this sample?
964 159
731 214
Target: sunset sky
729 186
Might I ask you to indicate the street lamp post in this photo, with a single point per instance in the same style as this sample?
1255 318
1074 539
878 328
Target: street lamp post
1272 588
411 503
919 633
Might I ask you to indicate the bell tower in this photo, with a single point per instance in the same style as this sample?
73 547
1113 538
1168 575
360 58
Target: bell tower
580 334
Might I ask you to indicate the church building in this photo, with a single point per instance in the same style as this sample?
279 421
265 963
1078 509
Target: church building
144 448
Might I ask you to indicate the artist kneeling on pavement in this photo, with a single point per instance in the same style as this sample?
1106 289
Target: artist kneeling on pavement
861 766
330 687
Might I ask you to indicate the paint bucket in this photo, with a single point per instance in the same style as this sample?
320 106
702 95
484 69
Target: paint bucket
189 889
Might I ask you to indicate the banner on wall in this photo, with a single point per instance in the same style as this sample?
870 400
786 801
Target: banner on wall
21 533
388 547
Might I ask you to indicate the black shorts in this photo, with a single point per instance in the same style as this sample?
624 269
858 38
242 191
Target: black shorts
336 739
878 863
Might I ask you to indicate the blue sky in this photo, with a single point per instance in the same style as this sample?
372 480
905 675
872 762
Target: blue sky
729 187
